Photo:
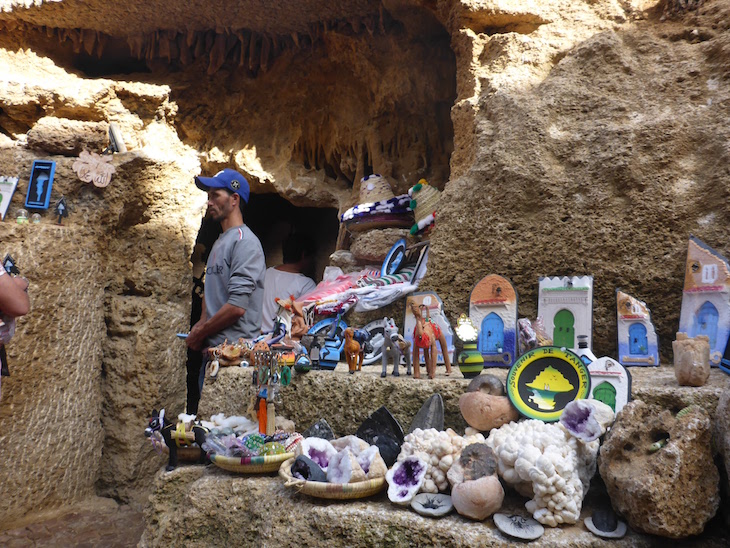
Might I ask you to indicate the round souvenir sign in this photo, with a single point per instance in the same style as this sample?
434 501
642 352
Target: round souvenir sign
546 379
394 258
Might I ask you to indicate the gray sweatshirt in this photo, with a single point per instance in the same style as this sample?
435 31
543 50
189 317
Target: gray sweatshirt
235 275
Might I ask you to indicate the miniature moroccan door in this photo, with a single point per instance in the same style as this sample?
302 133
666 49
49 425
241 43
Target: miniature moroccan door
491 337
638 344
564 329
706 322
606 393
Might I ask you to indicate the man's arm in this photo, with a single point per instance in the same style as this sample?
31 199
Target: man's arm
226 316
14 299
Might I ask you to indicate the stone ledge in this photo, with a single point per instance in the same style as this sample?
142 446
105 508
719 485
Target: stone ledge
346 400
204 506
199 506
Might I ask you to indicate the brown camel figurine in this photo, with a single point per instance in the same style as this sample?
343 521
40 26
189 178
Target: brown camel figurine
441 338
423 338
354 354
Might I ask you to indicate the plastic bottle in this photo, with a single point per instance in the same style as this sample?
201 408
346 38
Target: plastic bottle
583 351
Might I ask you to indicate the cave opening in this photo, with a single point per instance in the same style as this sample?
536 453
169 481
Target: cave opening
272 218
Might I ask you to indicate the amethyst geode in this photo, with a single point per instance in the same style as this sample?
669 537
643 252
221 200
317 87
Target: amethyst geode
405 479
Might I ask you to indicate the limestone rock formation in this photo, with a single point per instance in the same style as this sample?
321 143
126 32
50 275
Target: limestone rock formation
722 441
372 246
567 137
658 469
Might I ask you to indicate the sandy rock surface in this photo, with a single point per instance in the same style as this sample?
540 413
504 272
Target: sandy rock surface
671 491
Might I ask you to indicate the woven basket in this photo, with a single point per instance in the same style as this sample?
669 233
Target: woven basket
250 465
333 491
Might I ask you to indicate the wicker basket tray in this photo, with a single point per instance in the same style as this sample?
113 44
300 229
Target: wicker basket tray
250 465
334 491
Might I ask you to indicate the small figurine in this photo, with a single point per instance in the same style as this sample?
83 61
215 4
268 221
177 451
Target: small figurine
394 346
289 323
61 209
423 338
706 297
353 351
176 436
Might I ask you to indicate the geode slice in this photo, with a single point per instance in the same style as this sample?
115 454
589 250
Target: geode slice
344 468
476 461
372 463
306 469
317 449
518 526
384 431
380 423
433 505
431 415
320 429
405 480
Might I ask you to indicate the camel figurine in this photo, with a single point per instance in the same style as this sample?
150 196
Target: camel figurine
353 351
289 323
394 346
424 338
441 338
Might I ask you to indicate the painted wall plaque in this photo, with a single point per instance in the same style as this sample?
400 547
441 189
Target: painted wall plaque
637 339
94 168
610 383
493 311
706 297
566 305
7 189
436 310
546 379
41 183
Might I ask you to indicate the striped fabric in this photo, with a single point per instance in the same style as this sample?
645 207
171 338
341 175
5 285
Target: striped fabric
404 275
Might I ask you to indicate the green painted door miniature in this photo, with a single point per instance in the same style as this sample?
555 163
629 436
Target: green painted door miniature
564 330
606 393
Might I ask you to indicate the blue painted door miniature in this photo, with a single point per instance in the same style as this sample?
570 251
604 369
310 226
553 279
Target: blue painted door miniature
638 343
564 330
705 322
491 337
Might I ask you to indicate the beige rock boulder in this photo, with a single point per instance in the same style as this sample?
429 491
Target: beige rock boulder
722 442
478 499
68 137
658 469
372 246
691 359
484 412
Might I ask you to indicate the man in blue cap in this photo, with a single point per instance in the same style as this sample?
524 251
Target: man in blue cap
234 275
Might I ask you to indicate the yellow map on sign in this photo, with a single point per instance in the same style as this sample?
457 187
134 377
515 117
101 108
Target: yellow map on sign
546 385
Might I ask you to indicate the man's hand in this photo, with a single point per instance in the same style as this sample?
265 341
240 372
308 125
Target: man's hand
196 337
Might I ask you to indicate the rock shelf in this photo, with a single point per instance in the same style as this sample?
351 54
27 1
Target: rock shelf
205 506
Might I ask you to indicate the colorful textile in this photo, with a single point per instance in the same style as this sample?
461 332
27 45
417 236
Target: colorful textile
404 275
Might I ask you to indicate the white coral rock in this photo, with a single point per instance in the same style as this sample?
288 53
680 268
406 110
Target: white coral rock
439 449
545 462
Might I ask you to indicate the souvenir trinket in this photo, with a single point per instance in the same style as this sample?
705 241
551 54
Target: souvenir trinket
493 308
7 189
637 340
706 297
424 311
610 383
470 360
566 305
544 380
41 183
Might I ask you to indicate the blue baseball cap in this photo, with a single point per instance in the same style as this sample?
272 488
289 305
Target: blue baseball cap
229 179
